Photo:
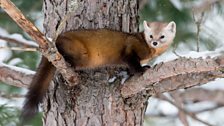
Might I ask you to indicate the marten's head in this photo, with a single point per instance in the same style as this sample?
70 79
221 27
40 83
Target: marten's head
159 35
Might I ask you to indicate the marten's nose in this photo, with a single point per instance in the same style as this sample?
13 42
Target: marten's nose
155 43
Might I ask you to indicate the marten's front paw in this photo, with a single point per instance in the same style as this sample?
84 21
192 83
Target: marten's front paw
138 72
146 68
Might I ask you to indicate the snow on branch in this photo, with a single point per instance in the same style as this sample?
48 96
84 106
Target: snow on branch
47 48
25 24
181 73
177 74
16 76
18 41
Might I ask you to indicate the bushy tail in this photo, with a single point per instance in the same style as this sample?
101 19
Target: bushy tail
38 88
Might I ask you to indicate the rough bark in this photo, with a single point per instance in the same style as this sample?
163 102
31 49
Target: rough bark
94 101
174 74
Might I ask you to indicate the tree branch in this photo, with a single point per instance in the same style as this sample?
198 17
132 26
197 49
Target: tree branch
199 94
25 24
192 115
47 48
205 5
162 115
10 95
15 76
163 77
178 74
19 49
182 116
25 44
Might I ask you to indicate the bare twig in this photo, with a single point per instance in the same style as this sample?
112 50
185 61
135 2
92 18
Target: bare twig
61 26
192 115
200 94
19 49
198 23
205 5
181 114
10 96
208 109
25 44
71 10
160 114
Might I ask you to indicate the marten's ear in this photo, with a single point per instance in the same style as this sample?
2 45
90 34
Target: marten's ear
145 25
171 27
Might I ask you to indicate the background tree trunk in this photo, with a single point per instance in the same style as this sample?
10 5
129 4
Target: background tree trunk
95 100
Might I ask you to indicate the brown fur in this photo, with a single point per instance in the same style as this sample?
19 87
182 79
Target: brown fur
94 48
91 49
38 87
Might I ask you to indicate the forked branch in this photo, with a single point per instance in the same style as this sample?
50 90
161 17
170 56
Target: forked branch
47 48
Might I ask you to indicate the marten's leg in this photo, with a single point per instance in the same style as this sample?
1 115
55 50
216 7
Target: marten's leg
133 61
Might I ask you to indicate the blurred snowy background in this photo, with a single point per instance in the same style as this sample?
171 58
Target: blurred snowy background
198 22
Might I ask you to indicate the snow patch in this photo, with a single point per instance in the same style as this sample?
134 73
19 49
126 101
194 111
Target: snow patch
111 80
15 61
5 53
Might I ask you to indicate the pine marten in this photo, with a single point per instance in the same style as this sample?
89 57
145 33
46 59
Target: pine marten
99 47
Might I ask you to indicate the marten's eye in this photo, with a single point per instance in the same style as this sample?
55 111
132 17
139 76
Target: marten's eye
161 37
151 36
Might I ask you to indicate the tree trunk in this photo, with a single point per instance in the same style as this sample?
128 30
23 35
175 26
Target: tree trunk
96 100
